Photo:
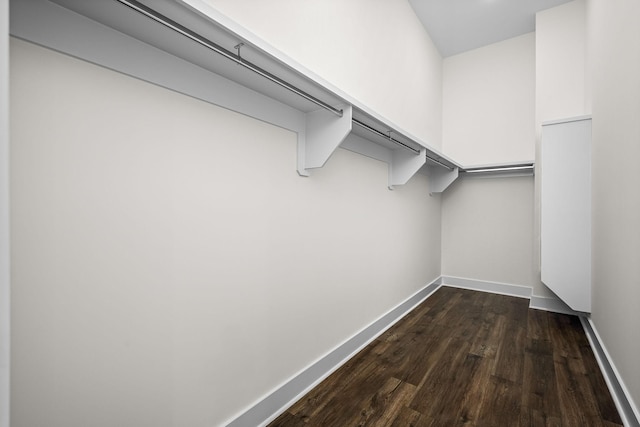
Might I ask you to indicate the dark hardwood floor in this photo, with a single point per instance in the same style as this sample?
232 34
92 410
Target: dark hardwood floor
466 358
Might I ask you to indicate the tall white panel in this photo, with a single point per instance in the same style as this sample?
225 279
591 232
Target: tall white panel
566 210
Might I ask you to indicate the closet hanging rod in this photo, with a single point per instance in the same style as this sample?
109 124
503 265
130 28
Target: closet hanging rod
387 137
184 31
440 163
504 168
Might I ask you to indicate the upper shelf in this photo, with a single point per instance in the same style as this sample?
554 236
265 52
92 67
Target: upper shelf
245 74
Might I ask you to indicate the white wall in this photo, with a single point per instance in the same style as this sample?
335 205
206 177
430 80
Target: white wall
489 103
169 267
489 112
614 67
561 88
375 50
4 215
587 62
487 230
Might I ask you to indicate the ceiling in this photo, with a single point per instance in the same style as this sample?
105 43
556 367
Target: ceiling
456 26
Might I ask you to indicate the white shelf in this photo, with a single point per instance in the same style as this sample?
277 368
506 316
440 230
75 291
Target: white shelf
177 54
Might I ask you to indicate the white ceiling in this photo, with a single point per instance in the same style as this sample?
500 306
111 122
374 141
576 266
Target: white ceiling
456 26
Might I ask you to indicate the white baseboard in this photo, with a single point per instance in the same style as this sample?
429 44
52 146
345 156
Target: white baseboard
272 405
536 302
553 304
627 408
486 286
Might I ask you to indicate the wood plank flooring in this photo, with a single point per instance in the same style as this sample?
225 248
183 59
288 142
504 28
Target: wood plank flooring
466 358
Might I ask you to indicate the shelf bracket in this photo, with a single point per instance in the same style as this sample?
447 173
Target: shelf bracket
324 132
440 178
404 165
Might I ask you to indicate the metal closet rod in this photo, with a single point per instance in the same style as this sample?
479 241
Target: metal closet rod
440 163
180 29
184 31
505 168
395 141
385 136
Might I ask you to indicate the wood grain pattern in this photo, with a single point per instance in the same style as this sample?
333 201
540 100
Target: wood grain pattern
466 358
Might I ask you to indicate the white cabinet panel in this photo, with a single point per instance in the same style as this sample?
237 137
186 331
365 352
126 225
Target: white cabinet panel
566 210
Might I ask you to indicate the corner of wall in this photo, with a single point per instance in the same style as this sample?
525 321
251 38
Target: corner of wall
5 304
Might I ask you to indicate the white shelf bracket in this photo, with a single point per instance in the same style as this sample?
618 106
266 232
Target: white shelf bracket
404 165
324 132
440 178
